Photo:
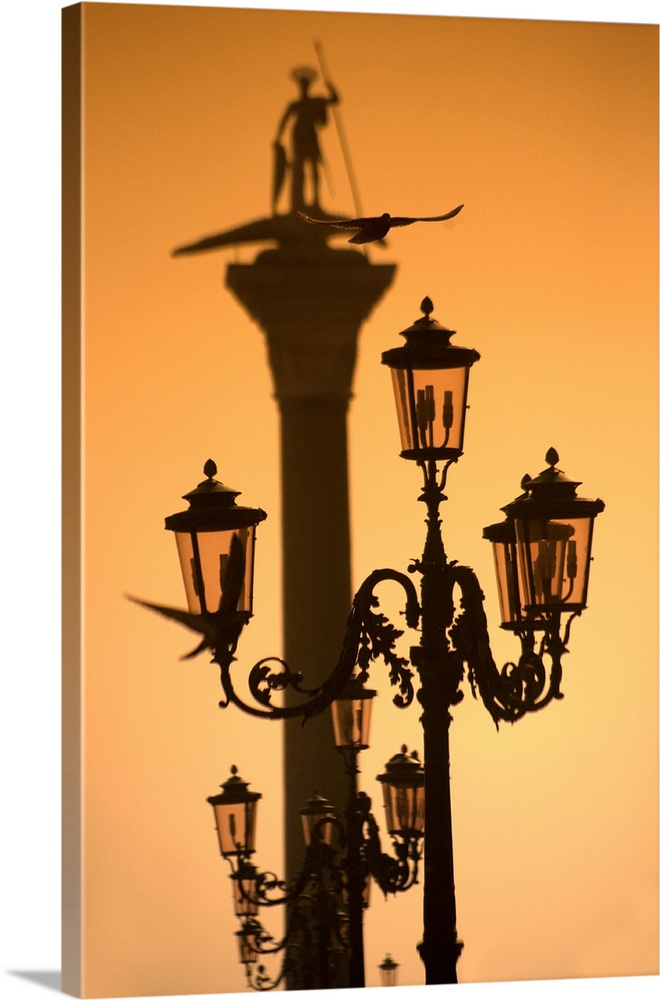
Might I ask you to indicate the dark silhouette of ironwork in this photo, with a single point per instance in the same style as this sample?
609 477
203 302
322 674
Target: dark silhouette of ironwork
544 552
326 899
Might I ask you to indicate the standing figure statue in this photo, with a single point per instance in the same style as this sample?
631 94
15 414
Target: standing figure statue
308 114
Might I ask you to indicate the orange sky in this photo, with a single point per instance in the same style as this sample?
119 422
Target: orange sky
547 131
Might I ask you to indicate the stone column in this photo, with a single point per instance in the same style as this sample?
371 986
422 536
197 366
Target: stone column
311 305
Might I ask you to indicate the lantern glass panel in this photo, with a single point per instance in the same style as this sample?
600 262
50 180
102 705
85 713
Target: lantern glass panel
351 721
553 562
430 406
404 808
506 572
236 826
206 554
245 898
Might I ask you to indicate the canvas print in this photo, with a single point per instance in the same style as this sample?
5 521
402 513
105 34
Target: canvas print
360 500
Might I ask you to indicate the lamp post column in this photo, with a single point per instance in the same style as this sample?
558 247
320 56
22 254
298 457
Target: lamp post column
354 876
439 676
430 379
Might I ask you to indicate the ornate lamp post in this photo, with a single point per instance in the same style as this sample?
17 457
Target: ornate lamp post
542 555
326 900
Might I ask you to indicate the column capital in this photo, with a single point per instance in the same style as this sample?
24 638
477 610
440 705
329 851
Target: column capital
310 309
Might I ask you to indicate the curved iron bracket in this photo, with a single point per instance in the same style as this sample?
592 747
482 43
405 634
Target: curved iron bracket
520 687
368 635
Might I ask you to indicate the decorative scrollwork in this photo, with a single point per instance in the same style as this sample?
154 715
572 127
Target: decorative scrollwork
396 874
378 636
263 679
369 635
519 687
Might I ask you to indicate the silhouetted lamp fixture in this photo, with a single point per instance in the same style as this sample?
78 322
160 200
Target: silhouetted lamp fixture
317 817
430 379
235 817
326 899
249 940
215 540
388 971
554 531
403 794
351 717
542 552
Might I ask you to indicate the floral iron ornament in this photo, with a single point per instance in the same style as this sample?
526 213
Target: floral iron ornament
369 635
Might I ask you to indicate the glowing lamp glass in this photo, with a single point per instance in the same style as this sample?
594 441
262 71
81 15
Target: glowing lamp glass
235 812
430 380
215 541
351 717
403 795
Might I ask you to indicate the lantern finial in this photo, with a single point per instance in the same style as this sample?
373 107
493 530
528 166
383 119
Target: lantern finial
551 457
426 306
210 468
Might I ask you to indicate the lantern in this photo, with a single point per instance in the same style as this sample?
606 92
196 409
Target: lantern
430 378
235 817
313 813
388 973
215 539
249 939
554 530
244 884
403 794
351 717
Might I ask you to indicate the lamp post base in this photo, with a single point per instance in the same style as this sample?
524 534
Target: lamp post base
440 964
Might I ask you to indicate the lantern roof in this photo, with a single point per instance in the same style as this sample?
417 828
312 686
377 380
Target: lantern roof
316 805
404 768
388 963
213 507
552 494
428 345
234 790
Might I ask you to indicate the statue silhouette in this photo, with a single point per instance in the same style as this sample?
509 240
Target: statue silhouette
308 115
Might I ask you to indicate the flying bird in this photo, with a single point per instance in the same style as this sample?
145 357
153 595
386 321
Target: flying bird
373 228
219 627
198 623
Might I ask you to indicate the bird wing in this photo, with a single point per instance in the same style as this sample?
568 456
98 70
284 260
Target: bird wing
402 220
196 622
339 223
